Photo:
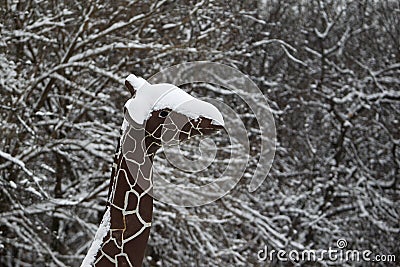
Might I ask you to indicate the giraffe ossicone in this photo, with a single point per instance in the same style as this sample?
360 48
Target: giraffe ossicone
156 115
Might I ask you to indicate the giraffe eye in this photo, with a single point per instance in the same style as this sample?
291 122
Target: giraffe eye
164 113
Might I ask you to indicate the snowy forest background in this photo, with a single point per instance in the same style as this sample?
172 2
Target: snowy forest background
331 72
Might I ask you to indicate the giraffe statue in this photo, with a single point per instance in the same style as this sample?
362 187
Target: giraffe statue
156 115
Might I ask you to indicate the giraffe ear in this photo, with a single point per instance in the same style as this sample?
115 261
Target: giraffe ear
130 88
134 83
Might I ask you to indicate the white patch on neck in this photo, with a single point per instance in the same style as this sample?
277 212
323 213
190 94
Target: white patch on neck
150 97
98 240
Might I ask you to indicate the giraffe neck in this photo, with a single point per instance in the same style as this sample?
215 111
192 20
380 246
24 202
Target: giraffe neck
124 231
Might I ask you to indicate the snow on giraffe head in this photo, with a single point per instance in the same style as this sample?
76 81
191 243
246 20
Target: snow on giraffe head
168 113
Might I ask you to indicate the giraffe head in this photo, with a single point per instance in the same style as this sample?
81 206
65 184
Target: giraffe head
168 114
